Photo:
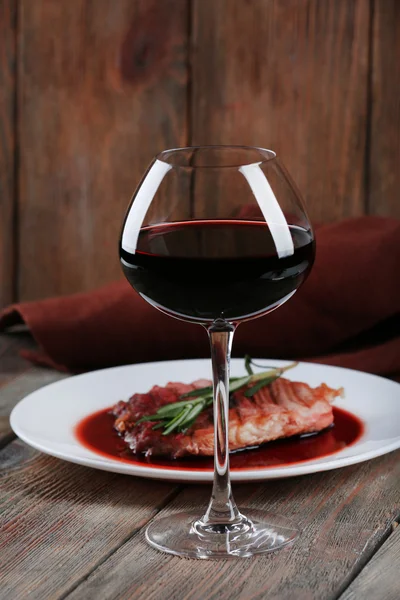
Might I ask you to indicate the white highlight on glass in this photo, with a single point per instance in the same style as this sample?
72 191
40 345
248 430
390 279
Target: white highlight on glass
270 209
141 203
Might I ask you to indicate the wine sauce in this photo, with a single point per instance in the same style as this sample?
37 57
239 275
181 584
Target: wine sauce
96 433
206 270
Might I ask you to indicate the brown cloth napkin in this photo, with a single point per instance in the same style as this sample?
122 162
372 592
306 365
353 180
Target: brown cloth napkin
346 314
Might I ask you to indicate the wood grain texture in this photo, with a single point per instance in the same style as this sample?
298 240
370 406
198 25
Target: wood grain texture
102 90
8 33
384 150
270 74
11 363
344 515
380 577
59 521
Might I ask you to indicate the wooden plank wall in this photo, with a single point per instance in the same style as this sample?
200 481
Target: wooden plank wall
102 89
291 76
384 146
94 89
8 38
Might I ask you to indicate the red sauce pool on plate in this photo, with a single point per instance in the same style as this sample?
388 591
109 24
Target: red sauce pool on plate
96 433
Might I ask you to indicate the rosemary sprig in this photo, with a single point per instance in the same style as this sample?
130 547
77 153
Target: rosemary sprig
247 364
180 416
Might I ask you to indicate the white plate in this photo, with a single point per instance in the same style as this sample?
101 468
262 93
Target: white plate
46 418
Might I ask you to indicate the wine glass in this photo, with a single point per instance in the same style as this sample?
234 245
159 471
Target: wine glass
217 235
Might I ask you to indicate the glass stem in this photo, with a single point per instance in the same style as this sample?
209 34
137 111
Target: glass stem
222 508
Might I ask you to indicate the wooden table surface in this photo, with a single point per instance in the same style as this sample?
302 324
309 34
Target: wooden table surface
73 532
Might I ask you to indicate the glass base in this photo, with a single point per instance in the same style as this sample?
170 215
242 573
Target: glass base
185 535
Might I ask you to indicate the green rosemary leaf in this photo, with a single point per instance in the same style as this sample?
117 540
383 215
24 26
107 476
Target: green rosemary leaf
191 418
236 385
247 364
168 409
264 366
158 426
196 410
166 412
146 418
179 420
251 391
201 392
198 393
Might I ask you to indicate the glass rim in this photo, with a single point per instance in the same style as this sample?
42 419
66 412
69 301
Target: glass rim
266 155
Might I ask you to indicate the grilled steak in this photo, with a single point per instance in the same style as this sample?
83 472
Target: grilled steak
282 409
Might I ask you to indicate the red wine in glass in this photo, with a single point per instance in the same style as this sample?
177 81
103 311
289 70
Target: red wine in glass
216 269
